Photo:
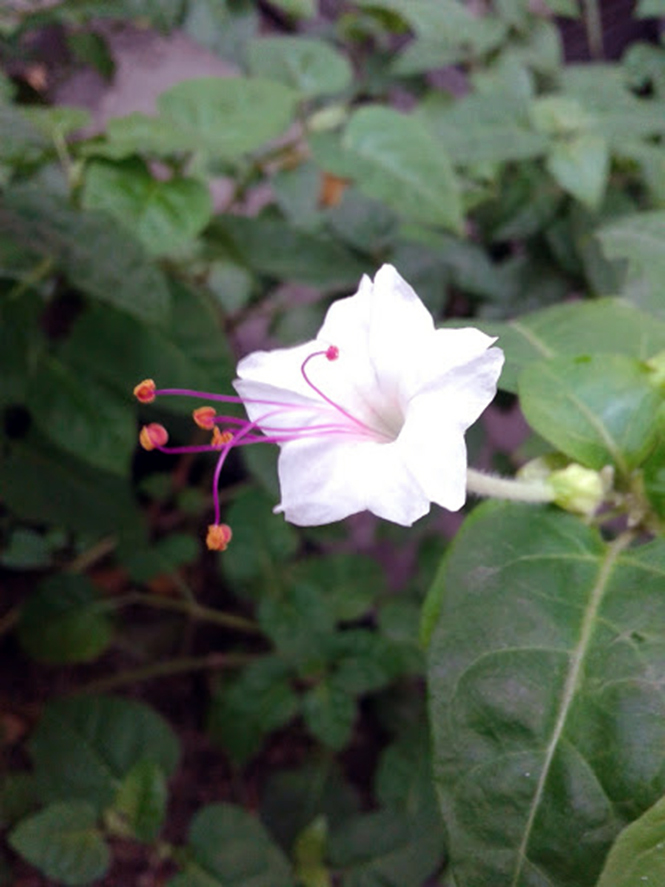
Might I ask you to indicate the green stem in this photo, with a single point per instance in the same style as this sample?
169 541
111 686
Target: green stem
38 273
189 608
488 485
211 662
594 29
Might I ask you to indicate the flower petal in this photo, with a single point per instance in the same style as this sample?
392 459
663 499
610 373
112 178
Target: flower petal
322 481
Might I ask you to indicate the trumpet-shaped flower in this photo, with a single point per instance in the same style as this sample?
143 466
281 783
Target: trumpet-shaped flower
371 415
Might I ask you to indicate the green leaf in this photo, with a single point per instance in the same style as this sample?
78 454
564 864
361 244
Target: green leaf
545 704
350 582
478 128
311 67
268 246
230 848
223 26
190 351
141 801
97 255
598 409
581 166
637 856
574 329
85 747
26 550
298 622
403 166
164 214
294 798
297 8
83 417
223 117
387 848
64 843
46 485
261 539
64 621
260 700
165 557
650 9
329 710
58 122
639 238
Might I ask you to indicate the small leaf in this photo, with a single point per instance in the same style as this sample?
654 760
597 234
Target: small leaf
297 8
64 843
639 238
581 166
638 855
330 713
311 67
164 215
64 621
230 848
597 409
650 9
26 550
403 166
85 747
141 801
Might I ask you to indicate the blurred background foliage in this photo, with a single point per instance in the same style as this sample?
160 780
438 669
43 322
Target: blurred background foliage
455 140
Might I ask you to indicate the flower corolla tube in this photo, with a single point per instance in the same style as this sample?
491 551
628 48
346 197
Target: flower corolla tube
369 416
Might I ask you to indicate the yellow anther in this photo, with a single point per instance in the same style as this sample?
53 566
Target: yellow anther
219 536
220 438
153 435
145 391
205 417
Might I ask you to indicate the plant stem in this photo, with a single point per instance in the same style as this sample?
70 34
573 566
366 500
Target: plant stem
38 273
487 485
594 29
9 620
188 607
211 662
92 555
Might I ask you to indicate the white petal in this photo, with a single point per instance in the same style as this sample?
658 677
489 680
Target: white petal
441 352
321 482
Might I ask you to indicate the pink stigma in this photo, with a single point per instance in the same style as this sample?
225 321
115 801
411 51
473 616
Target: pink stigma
332 353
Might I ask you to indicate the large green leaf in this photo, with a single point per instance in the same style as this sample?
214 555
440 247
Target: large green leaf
637 857
222 116
403 166
598 409
311 67
84 747
575 329
230 848
97 255
64 843
545 695
164 214
581 166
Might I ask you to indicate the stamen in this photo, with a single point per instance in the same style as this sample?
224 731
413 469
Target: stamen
205 417
220 438
153 435
219 536
145 391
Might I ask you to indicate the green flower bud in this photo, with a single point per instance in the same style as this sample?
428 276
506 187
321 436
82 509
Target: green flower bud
578 489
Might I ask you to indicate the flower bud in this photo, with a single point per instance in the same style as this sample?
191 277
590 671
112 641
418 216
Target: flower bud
578 489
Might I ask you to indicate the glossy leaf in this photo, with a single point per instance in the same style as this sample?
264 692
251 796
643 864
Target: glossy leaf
311 67
64 621
230 848
598 409
403 166
638 855
84 747
545 700
164 214
64 843
574 329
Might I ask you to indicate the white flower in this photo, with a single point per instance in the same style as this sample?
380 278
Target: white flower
371 415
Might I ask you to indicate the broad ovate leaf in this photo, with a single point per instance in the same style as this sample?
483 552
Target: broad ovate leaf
548 717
